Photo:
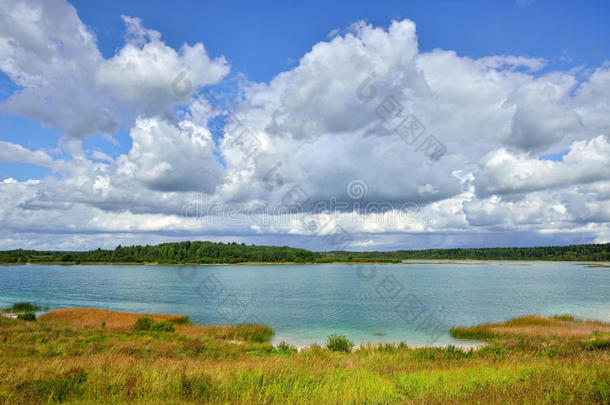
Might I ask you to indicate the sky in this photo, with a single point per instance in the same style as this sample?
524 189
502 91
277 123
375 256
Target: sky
344 125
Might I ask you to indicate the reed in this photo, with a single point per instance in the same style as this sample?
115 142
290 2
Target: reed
58 360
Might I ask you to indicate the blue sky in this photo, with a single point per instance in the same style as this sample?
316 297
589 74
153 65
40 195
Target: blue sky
516 89
265 38
262 39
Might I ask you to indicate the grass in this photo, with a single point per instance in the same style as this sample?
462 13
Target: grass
146 323
27 316
339 343
88 317
533 327
64 357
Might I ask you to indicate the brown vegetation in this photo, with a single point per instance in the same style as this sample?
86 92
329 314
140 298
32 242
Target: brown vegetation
75 360
535 326
94 318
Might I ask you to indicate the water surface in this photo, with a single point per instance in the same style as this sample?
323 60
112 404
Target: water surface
415 303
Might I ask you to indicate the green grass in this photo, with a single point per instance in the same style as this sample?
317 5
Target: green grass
543 383
474 333
254 333
567 317
597 341
339 343
52 362
27 316
147 324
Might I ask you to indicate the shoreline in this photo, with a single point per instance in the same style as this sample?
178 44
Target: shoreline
91 317
100 356
183 264
474 262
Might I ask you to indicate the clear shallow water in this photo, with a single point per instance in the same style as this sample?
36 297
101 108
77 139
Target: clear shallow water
415 303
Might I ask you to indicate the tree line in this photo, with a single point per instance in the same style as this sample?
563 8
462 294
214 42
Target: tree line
177 252
230 253
588 252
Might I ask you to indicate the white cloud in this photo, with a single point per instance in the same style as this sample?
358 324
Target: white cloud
11 152
504 172
149 76
315 126
333 32
513 62
170 157
66 83
364 244
48 52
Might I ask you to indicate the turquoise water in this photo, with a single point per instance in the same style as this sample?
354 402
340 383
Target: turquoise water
415 303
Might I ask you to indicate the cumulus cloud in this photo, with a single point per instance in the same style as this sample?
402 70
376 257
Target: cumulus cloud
504 172
592 100
170 157
494 115
148 75
11 152
335 118
66 83
47 51
542 114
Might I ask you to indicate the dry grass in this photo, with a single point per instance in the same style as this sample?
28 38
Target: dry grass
93 318
66 360
534 327
114 320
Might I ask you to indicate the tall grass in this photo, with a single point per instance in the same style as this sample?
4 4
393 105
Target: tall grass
532 327
339 343
52 362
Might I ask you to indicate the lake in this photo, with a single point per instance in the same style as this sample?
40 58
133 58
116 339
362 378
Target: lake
416 302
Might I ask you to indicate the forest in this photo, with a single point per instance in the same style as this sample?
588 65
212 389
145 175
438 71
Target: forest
167 253
230 253
589 252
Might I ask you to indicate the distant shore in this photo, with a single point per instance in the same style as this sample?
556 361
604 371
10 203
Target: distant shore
186 264
473 262
207 252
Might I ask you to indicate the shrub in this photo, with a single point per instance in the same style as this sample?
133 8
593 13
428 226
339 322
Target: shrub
162 327
27 316
339 343
143 323
183 320
597 341
146 323
23 307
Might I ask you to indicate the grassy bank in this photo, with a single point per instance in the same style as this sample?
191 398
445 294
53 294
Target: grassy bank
93 356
